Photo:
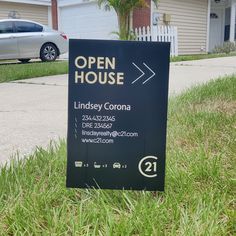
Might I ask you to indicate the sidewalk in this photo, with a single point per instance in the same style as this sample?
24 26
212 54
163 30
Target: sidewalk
34 111
184 75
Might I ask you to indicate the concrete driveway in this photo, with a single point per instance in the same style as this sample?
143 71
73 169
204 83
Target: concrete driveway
34 111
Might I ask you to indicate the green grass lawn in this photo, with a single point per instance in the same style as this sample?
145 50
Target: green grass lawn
200 56
200 181
19 71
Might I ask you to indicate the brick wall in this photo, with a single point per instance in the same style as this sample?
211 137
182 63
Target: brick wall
141 17
54 14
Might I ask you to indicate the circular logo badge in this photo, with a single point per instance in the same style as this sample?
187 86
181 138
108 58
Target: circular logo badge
148 166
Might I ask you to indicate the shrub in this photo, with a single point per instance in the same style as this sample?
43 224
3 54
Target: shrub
227 48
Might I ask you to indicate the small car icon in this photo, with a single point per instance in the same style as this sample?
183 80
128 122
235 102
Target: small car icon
116 165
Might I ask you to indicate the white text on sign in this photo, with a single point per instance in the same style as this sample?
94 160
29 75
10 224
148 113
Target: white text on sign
99 77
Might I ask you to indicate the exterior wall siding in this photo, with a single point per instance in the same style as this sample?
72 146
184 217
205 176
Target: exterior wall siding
26 11
190 16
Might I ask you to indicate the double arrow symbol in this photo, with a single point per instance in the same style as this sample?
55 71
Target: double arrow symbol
144 82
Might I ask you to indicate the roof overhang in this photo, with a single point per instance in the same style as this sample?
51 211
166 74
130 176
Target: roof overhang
34 2
65 3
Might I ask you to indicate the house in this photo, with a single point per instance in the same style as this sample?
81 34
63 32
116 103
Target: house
78 18
201 24
37 10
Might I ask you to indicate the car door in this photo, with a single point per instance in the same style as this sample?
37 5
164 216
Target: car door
29 38
8 41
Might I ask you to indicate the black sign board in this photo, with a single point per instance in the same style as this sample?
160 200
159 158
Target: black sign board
118 92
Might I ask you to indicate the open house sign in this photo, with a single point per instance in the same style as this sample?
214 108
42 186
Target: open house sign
117 114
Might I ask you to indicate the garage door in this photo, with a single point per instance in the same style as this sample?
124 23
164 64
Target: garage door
25 11
88 21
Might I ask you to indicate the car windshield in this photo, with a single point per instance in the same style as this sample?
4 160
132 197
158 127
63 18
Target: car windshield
47 28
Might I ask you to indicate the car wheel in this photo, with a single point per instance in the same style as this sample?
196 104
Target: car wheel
48 52
24 60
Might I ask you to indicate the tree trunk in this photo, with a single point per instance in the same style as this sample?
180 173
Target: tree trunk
123 23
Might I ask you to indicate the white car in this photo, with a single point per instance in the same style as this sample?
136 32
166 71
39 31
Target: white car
24 40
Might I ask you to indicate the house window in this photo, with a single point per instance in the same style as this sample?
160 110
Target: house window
227 24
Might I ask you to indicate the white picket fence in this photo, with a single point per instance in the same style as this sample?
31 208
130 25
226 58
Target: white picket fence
159 34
